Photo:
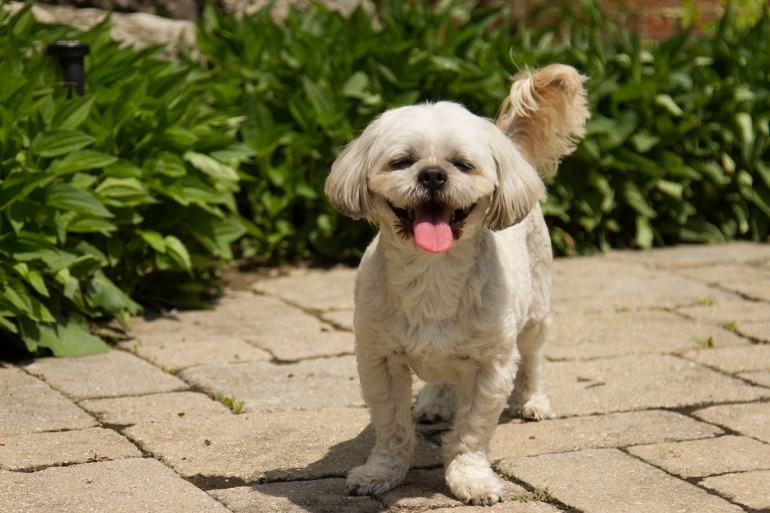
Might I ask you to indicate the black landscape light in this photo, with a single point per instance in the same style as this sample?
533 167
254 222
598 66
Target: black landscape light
70 55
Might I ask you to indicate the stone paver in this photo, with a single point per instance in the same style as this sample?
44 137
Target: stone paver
759 378
188 346
39 450
747 488
517 438
28 405
600 285
313 290
747 358
750 281
649 417
698 458
111 374
747 419
640 382
121 486
267 446
127 411
579 336
306 385
609 481
296 497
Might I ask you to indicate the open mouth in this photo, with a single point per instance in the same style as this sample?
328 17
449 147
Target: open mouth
434 226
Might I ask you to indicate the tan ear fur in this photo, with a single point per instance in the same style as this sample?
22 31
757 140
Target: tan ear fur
545 114
347 183
519 187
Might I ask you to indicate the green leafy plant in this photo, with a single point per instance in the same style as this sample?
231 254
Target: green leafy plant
120 197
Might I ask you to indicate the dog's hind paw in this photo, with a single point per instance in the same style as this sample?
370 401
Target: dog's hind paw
537 407
372 480
435 403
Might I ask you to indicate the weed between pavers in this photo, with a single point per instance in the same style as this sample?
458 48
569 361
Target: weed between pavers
706 343
229 401
538 494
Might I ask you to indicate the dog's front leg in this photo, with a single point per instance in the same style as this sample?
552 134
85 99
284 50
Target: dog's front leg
481 397
386 388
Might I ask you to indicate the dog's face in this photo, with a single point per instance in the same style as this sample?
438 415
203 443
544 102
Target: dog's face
432 174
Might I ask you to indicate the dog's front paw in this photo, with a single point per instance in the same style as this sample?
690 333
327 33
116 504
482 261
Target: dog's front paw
536 407
474 482
372 479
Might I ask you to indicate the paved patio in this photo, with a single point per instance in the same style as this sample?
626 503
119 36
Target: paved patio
658 370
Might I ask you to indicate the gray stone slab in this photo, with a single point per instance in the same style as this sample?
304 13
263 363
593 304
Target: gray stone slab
747 358
322 495
747 488
121 486
38 450
700 458
112 374
187 346
341 319
426 490
601 335
313 290
749 280
517 438
609 286
747 419
27 405
758 378
267 387
738 312
639 382
609 481
759 331
267 446
694 255
127 411
286 332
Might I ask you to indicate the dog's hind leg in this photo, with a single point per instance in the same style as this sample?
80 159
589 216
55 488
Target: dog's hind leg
529 399
481 397
387 388
435 403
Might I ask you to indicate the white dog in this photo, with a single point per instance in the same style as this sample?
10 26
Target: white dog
456 286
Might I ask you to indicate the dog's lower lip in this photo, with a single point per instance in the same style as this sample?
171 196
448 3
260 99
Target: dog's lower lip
407 215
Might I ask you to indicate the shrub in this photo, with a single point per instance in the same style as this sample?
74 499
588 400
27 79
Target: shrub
120 197
675 152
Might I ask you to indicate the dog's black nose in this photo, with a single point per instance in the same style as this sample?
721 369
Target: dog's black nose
432 178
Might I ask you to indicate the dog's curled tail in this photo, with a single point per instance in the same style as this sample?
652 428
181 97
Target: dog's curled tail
545 114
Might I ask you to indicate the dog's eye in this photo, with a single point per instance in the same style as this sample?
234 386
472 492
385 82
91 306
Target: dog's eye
462 165
401 163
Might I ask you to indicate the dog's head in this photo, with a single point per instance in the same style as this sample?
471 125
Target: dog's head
434 173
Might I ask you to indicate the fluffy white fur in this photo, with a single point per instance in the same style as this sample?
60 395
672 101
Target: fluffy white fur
470 321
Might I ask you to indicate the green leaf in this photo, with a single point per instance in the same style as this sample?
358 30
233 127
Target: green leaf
669 104
55 143
64 337
154 239
211 167
68 197
73 112
81 161
178 252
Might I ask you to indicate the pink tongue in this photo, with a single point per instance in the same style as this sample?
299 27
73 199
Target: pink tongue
431 228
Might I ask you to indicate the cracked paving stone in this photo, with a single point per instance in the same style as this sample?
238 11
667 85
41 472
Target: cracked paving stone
121 486
313 290
747 419
747 488
609 481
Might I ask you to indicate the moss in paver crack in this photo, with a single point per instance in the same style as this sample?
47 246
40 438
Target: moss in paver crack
706 343
229 401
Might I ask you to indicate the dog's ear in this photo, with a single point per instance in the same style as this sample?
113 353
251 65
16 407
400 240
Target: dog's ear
545 114
347 184
519 187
